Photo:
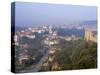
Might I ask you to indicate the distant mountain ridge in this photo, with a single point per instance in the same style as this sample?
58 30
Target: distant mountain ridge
90 24
93 22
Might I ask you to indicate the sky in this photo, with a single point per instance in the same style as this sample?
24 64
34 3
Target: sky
27 13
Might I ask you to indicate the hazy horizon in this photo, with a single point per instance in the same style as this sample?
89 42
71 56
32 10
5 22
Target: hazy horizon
31 14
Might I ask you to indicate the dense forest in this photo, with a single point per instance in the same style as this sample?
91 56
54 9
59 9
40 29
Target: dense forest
77 55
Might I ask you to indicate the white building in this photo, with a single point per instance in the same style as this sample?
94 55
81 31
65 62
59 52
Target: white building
16 39
31 36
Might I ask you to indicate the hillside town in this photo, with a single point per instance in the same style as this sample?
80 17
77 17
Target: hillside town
36 48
